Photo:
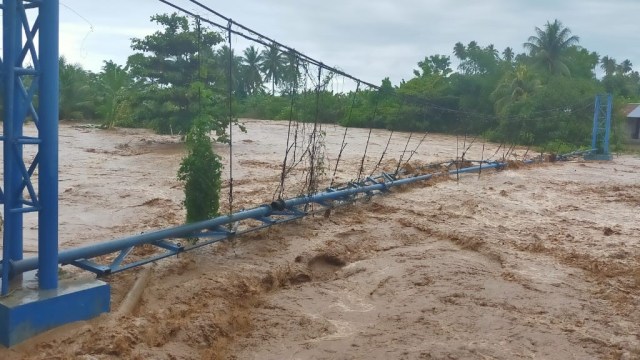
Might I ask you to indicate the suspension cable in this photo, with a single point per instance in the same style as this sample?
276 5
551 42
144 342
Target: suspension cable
406 146
199 30
415 151
366 147
384 152
288 147
230 93
344 136
312 184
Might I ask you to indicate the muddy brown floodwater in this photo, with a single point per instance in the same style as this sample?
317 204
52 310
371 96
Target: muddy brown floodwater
532 263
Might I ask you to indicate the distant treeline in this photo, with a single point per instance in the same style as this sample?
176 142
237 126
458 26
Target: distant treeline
542 96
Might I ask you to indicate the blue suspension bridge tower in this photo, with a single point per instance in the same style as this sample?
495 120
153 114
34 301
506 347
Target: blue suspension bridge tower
601 128
30 82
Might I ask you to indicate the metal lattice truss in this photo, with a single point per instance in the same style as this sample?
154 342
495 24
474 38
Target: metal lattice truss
21 78
30 93
602 124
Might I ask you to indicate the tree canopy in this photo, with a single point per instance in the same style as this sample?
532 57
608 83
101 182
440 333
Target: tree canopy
549 46
175 74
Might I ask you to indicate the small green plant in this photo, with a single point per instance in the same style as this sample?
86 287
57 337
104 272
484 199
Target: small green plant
559 147
201 171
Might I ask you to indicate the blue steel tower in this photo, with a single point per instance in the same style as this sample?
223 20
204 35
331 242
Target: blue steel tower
30 83
25 73
601 128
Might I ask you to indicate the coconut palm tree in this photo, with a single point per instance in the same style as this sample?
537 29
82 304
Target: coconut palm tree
460 51
223 56
549 45
491 50
291 71
272 66
251 74
114 83
508 55
75 91
515 86
626 66
475 59
608 64
473 46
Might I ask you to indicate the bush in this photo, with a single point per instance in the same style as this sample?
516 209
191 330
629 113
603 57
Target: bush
201 172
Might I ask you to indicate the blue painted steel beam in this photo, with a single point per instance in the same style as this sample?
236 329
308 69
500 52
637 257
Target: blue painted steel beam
607 124
12 129
17 163
596 116
48 148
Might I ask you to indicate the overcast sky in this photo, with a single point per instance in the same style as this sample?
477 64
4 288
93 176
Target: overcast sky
370 39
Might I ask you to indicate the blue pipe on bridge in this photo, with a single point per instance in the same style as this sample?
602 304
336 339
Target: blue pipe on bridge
90 251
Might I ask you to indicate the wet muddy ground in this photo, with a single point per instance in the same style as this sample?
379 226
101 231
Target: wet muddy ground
538 262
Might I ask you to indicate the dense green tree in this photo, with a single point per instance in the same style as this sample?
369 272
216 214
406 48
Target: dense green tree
582 63
549 45
434 65
421 98
555 115
175 70
475 59
516 85
181 87
620 79
480 71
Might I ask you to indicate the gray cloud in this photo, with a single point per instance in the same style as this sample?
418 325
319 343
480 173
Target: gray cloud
370 39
